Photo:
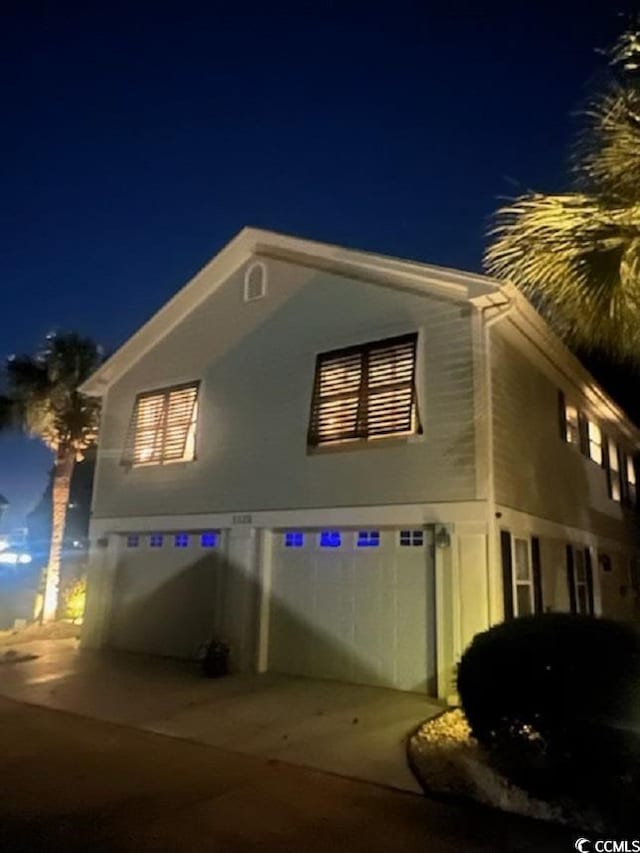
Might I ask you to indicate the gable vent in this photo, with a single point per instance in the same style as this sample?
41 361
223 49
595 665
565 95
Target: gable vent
255 282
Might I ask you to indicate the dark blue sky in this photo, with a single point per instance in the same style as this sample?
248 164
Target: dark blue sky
134 144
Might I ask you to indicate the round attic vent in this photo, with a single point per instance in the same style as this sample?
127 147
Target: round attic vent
255 281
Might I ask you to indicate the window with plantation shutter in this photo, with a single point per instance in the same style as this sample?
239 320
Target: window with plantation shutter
365 392
163 427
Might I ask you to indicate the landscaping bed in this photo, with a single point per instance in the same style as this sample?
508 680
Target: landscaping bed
549 726
60 630
447 761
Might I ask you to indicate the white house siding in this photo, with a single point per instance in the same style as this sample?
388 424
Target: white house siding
256 362
535 470
618 596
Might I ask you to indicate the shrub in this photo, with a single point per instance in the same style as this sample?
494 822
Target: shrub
556 701
73 599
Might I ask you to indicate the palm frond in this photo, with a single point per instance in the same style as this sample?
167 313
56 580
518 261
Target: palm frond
43 397
607 160
579 261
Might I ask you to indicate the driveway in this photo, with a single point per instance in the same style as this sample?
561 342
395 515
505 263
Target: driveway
352 731
75 784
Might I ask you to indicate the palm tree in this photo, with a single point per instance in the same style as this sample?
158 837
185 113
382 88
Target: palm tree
577 254
42 399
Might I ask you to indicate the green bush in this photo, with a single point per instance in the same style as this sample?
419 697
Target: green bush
74 595
556 701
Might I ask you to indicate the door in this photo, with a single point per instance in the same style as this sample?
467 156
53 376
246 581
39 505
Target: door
166 592
354 605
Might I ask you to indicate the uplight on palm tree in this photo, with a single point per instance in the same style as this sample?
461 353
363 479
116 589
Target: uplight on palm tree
42 399
577 254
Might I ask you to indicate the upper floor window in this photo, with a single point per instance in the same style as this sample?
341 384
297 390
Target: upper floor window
571 424
365 392
594 435
163 426
614 471
628 466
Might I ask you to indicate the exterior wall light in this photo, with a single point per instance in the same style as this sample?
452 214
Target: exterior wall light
442 538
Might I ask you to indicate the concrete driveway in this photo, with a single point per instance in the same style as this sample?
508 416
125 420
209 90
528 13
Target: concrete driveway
357 732
74 784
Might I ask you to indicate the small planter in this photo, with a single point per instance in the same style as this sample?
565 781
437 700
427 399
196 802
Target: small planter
214 659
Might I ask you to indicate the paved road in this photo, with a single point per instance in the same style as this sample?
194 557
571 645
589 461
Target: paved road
74 784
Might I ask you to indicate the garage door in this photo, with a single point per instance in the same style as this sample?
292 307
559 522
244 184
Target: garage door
166 592
354 605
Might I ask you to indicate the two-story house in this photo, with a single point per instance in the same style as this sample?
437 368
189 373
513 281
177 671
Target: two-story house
344 465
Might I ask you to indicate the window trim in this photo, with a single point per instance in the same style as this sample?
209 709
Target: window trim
360 436
128 460
530 582
575 584
509 580
595 442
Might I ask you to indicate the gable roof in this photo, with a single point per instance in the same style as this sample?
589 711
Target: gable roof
376 269
382 270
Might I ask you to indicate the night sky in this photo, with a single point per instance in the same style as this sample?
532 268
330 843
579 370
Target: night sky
135 144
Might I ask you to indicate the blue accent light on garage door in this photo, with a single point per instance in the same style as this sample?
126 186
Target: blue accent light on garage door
294 539
330 539
209 539
368 538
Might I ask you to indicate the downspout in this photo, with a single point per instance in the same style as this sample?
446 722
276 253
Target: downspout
495 610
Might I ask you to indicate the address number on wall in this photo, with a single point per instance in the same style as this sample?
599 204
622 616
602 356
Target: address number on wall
242 519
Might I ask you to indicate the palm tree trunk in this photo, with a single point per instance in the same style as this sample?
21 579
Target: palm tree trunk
60 500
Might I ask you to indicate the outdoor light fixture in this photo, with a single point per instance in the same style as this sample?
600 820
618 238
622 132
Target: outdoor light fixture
443 539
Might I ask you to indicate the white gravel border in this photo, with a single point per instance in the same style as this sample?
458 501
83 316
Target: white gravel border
447 760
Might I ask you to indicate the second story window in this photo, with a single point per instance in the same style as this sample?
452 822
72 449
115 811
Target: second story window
163 427
594 435
571 425
365 392
632 492
615 492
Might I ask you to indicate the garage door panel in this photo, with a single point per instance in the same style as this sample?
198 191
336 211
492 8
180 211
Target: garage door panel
165 599
359 613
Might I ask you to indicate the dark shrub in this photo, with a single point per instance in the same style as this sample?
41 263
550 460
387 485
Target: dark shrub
556 701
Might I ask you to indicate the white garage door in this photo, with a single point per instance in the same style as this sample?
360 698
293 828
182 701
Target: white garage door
166 594
354 605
